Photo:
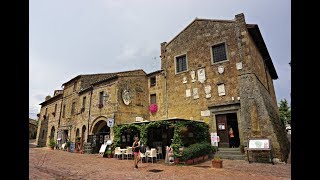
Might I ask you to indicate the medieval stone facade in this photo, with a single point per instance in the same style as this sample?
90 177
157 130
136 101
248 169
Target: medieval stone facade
214 71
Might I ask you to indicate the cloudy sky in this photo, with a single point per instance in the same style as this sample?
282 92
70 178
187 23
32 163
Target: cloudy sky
72 37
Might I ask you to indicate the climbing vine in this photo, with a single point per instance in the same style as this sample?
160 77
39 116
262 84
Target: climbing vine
201 132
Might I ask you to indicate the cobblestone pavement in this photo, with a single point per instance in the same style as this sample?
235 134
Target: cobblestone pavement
56 164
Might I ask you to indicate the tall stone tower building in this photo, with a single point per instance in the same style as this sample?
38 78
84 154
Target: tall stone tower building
220 72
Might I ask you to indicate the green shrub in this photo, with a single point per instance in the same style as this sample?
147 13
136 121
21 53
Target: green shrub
52 143
196 150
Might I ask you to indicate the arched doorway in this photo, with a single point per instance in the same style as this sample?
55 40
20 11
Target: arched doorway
83 135
101 133
77 132
52 133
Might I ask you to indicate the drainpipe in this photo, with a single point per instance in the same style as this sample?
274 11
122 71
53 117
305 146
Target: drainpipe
60 115
88 129
165 87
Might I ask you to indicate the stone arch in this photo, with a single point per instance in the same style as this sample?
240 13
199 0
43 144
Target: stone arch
100 133
52 133
77 132
97 124
83 131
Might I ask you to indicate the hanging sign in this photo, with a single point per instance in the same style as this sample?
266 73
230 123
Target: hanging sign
110 122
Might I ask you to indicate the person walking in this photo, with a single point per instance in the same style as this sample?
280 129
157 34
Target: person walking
231 138
136 152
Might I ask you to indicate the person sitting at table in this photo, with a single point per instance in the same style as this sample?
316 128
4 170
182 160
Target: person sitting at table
136 151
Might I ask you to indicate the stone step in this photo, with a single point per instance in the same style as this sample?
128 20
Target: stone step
229 152
232 156
229 149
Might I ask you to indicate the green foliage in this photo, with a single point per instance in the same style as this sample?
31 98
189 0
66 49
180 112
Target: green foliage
284 111
214 149
196 150
68 144
52 143
201 132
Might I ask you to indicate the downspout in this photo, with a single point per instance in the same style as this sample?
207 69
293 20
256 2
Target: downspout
89 113
60 115
165 87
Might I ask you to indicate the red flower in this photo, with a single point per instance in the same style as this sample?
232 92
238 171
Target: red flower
153 108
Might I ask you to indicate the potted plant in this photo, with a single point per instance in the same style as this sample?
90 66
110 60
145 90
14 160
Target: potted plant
108 152
217 162
242 149
68 145
52 144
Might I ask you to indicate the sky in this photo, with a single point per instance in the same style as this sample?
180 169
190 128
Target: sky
72 37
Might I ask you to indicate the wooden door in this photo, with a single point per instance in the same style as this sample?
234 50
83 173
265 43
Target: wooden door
222 130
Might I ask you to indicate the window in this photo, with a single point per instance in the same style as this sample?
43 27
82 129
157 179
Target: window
46 112
73 107
101 98
63 111
74 86
181 63
153 99
219 52
84 103
55 109
42 134
152 81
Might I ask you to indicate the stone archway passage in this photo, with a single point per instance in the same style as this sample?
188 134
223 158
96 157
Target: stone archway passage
101 133
52 132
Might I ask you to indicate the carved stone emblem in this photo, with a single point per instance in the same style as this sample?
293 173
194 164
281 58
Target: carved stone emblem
126 97
220 69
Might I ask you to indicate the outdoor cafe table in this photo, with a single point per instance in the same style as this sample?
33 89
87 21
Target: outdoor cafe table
123 151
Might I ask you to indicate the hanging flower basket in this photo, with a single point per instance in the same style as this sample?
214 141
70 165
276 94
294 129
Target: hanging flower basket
153 108
53 113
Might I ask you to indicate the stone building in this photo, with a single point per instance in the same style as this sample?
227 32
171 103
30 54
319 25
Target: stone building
32 128
214 71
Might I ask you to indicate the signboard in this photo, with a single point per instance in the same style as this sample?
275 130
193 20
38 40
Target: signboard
110 122
102 149
72 146
221 126
214 139
259 144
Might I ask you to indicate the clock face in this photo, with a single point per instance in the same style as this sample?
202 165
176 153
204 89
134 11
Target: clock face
126 97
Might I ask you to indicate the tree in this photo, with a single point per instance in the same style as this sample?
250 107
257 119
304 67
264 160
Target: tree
285 112
48 97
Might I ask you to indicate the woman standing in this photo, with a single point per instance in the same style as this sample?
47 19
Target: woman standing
231 136
136 151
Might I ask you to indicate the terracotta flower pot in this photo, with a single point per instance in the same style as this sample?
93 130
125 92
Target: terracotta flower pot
217 163
176 160
189 161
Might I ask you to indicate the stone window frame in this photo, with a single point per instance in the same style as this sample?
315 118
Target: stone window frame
226 48
73 108
155 96
175 63
153 81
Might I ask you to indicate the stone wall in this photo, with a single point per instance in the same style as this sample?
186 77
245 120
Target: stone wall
159 90
259 117
137 87
45 125
196 42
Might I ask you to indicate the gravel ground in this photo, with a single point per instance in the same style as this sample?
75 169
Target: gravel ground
56 164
